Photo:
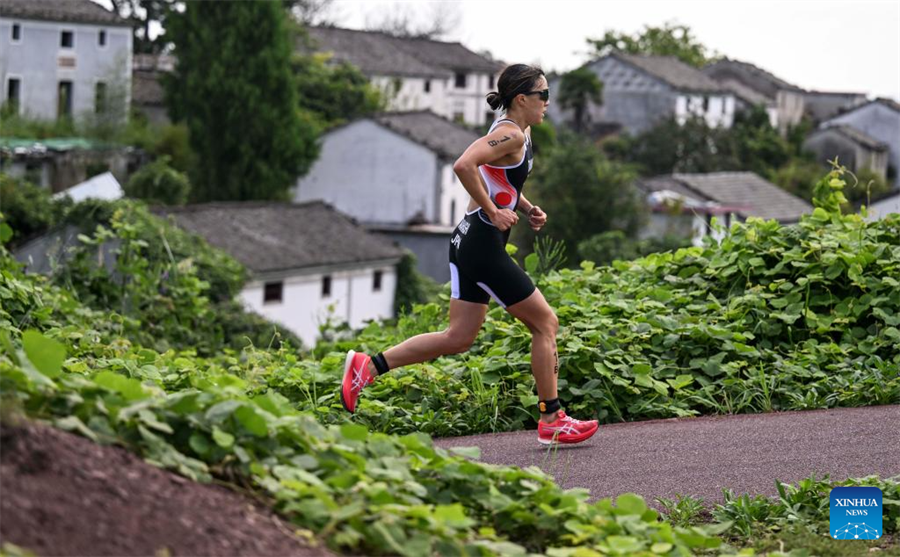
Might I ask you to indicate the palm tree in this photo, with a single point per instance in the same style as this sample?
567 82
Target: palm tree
576 90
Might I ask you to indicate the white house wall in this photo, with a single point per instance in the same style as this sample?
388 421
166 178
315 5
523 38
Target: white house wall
454 197
718 112
303 308
470 101
35 61
443 97
372 174
638 101
791 105
412 95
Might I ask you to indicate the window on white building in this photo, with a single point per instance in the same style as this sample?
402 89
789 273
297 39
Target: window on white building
427 85
100 97
16 32
101 38
273 292
326 286
13 94
459 111
460 80
67 39
376 281
64 99
490 81
452 211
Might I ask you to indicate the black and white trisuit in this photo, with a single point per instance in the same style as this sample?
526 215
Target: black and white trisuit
480 268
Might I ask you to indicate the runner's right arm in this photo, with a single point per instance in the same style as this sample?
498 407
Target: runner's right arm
501 142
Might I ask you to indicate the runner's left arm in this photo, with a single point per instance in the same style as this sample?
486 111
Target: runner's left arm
524 204
536 216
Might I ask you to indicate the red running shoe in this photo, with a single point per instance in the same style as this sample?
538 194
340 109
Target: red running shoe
565 430
356 377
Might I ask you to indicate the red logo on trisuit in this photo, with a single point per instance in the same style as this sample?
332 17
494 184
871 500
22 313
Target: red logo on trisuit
503 198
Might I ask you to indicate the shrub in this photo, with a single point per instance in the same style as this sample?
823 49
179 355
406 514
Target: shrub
158 182
606 247
412 286
28 209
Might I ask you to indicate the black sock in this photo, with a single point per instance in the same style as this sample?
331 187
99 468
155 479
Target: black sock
549 406
381 364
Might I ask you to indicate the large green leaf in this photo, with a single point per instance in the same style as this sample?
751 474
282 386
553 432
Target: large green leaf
44 353
252 421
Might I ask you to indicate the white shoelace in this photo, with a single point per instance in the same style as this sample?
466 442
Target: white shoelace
358 381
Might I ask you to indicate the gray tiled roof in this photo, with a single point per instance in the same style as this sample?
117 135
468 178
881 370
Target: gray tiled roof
442 136
745 93
890 103
659 183
269 236
757 78
672 71
377 53
884 101
75 11
451 56
854 135
373 53
739 189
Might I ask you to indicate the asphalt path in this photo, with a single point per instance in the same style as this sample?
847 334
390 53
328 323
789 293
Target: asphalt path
700 456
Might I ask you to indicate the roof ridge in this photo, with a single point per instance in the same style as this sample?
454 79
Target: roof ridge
74 11
247 204
426 111
702 82
385 33
427 142
745 63
715 173
852 133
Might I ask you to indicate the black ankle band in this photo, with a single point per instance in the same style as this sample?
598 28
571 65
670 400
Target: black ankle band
380 363
549 406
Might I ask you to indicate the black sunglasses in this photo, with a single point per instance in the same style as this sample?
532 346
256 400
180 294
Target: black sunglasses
545 94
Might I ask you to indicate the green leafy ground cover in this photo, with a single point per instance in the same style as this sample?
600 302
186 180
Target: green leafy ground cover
373 492
774 318
636 342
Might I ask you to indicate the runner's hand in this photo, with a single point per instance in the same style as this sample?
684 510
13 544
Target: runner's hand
503 219
536 218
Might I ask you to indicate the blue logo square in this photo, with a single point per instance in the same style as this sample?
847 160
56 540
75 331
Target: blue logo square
855 513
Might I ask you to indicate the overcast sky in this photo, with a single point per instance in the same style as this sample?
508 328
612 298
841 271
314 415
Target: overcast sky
815 44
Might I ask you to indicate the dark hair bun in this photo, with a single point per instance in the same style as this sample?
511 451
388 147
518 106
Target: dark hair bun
494 100
516 79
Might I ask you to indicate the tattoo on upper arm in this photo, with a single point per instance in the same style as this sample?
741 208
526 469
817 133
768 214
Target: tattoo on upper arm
494 142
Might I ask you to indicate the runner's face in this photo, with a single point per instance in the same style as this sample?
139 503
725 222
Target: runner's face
536 108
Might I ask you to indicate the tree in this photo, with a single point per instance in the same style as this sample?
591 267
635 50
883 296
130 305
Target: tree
669 40
672 147
310 12
334 93
233 88
402 21
578 88
583 194
756 144
144 14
